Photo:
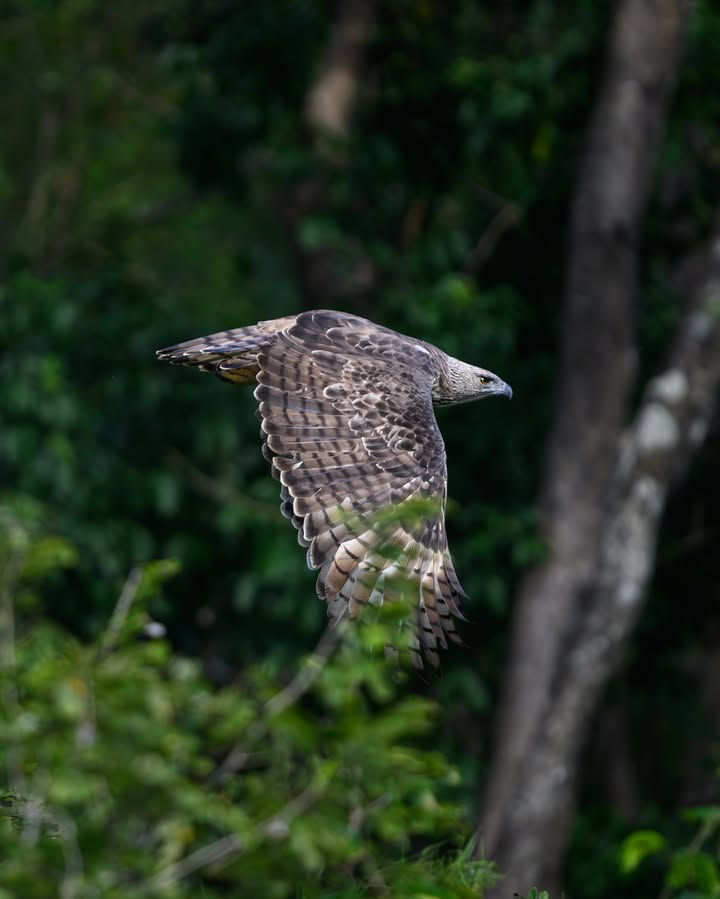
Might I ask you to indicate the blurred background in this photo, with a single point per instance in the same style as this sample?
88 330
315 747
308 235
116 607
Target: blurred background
531 186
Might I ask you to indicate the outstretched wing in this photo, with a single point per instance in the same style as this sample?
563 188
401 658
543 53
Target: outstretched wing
231 355
348 425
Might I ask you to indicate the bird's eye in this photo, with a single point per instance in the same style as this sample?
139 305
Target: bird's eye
484 380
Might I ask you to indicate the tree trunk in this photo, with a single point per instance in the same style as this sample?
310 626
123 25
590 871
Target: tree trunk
603 486
332 97
341 269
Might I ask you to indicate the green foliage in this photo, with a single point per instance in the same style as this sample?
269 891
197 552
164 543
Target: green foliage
156 210
692 870
637 846
125 773
153 174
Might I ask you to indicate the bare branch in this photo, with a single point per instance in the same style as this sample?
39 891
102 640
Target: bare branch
309 673
222 851
219 491
121 611
505 218
239 756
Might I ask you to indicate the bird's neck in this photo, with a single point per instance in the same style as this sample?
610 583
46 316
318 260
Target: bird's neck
457 383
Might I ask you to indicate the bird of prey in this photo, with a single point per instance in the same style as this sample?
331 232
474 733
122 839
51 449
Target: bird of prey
346 407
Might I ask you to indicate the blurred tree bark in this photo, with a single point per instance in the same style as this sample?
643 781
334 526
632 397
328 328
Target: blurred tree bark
332 97
340 268
605 480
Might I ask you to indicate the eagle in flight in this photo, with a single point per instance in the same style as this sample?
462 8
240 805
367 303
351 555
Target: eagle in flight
348 426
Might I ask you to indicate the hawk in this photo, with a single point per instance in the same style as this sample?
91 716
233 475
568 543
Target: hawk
346 407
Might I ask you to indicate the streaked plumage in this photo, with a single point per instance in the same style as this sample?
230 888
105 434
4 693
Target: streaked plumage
348 426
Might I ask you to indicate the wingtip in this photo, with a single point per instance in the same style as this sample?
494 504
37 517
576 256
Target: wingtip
174 353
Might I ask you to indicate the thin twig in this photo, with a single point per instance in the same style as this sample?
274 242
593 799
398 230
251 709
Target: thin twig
309 673
702 834
504 219
220 491
228 847
72 881
238 756
121 611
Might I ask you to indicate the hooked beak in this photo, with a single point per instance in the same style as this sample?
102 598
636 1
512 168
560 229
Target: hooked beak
502 389
495 386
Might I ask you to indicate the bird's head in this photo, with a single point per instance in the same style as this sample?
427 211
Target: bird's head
489 384
464 383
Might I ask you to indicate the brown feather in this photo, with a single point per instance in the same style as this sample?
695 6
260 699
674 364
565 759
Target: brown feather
348 426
